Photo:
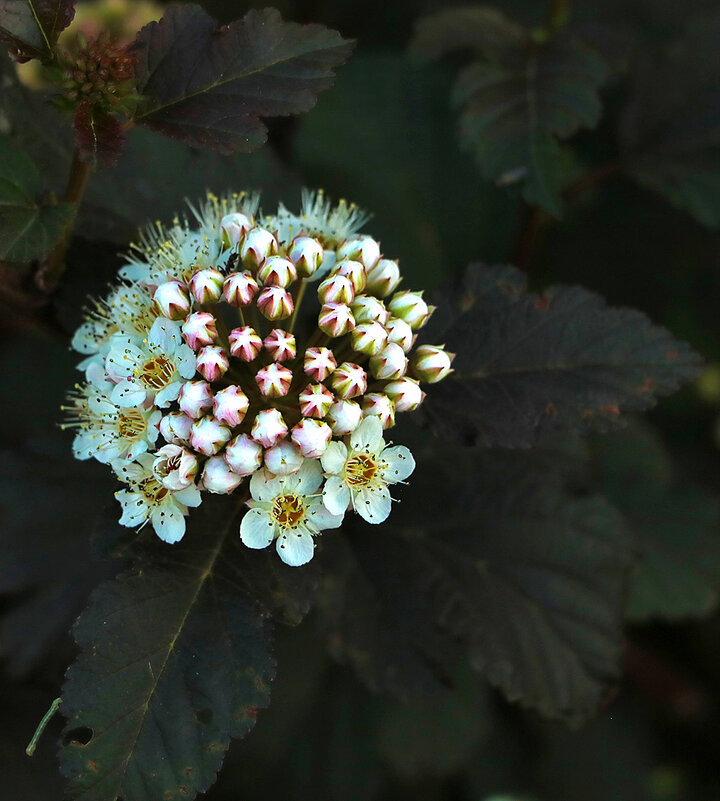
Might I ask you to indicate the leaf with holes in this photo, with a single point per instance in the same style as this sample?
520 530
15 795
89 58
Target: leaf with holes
32 27
531 364
173 664
211 86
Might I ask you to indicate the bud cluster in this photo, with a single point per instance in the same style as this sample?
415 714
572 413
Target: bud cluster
196 378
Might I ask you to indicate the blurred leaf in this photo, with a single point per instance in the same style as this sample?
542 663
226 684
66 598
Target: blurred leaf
210 86
32 27
98 135
528 364
519 98
173 664
29 227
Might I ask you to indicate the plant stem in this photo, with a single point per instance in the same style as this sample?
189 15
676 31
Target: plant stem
32 745
297 300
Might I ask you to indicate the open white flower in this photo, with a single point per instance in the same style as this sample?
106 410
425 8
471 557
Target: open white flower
147 500
359 475
289 510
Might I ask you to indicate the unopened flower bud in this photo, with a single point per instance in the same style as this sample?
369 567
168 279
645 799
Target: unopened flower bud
275 303
410 306
405 393
175 428
367 309
377 404
245 343
217 477
335 319
239 289
307 255
212 362
312 437
284 458
369 338
349 380
256 247
277 271
230 406
234 227
268 428
354 271
209 435
336 289
400 333
391 362
431 363
206 285
363 248
243 455
195 398
274 380
315 401
280 345
172 300
383 278
199 329
319 363
344 417
175 467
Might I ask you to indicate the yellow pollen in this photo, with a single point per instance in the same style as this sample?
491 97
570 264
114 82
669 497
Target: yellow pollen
288 510
360 470
156 373
152 489
130 423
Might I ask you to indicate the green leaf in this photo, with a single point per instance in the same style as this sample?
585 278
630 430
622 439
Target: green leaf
211 86
173 664
531 364
29 227
32 27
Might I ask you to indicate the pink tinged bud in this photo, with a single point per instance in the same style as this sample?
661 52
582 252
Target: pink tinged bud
391 362
383 278
268 428
274 380
284 458
199 329
245 343
239 289
209 435
172 300
344 417
174 467
217 477
336 319
349 380
336 289
175 428
212 362
206 285
369 338
363 248
405 393
431 363
367 309
307 255
315 401
230 406
312 438
195 398
234 227
410 306
280 345
354 271
319 363
256 247
243 455
277 271
377 404
400 333
275 303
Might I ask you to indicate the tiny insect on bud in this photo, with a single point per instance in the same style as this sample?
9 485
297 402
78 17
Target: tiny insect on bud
390 363
212 362
377 404
245 343
411 307
256 247
383 278
405 393
206 285
319 363
277 271
172 300
195 398
352 270
268 428
363 248
274 380
431 363
349 380
175 467
369 338
312 437
367 309
400 333
199 329
243 455
315 401
175 428
335 319
217 477
230 406
239 289
336 289
284 458
344 417
275 303
209 435
307 255
280 345
234 227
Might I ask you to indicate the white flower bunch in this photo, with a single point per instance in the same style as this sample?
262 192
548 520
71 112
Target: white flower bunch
194 378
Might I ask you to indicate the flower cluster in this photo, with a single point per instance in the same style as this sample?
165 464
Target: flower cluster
196 379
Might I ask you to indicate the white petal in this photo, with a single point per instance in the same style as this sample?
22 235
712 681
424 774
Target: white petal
257 529
373 504
185 361
128 393
295 546
397 463
190 496
134 508
167 395
336 495
84 446
123 358
85 339
168 522
319 518
307 480
164 336
368 436
265 486
334 458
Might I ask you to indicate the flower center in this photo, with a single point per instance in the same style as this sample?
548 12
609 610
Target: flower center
156 373
131 424
152 489
360 470
288 510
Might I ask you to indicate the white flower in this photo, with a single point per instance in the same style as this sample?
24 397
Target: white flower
288 510
153 370
175 467
147 500
359 475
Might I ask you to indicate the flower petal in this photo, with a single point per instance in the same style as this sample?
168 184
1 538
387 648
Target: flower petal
190 496
368 436
164 336
134 508
334 458
307 480
373 503
185 361
257 530
128 393
336 495
397 463
168 394
168 522
319 518
295 546
265 486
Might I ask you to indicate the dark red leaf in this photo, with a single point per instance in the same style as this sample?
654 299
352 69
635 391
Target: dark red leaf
32 27
98 135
